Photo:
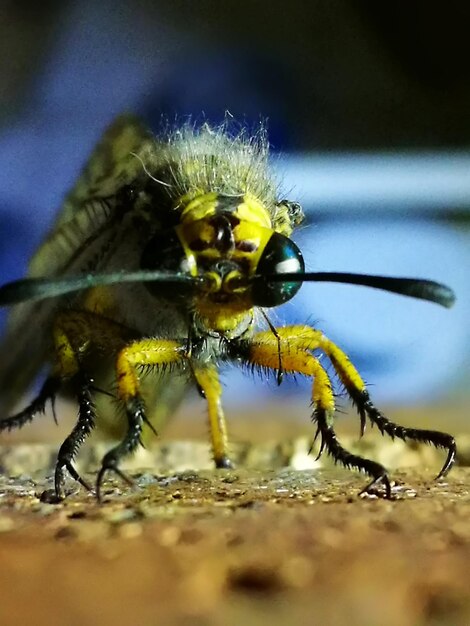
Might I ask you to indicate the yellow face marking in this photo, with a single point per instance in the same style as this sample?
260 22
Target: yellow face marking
225 319
245 231
198 207
256 235
253 211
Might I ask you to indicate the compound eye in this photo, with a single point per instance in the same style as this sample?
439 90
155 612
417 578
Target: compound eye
280 256
164 252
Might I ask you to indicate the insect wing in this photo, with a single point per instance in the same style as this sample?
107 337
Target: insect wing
85 225
113 163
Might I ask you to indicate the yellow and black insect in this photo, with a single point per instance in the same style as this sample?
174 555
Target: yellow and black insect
165 257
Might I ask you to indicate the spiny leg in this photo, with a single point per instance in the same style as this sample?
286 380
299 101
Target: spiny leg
364 405
135 413
262 350
146 353
75 332
360 397
69 449
48 391
324 406
307 338
329 441
78 329
207 379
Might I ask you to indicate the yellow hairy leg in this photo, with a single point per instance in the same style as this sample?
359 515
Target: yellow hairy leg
264 351
75 334
296 341
144 353
207 378
163 352
290 348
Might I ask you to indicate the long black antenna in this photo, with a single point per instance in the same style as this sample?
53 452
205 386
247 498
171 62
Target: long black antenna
31 289
413 287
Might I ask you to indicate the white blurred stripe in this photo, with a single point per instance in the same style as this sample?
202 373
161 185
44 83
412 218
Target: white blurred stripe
395 182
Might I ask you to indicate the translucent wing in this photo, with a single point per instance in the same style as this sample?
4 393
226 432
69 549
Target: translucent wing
112 164
85 225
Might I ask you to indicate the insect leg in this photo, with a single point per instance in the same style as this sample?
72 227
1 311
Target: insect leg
146 353
207 378
364 405
360 397
74 333
48 391
263 350
70 447
307 338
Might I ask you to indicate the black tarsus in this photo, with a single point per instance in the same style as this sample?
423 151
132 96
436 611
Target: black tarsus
68 450
48 391
330 443
135 418
436 438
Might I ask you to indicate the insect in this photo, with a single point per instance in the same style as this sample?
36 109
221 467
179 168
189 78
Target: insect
166 257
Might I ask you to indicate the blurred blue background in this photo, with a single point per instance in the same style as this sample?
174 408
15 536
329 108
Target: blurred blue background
367 105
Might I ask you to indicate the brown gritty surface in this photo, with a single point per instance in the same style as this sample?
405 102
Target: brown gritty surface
245 546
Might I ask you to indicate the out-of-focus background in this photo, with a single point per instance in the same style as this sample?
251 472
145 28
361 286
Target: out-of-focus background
367 105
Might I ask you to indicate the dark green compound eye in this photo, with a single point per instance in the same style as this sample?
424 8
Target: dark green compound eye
280 256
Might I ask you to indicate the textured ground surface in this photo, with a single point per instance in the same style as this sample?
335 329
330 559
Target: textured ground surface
248 546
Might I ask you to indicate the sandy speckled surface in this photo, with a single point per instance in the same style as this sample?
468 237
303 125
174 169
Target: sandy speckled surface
246 546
